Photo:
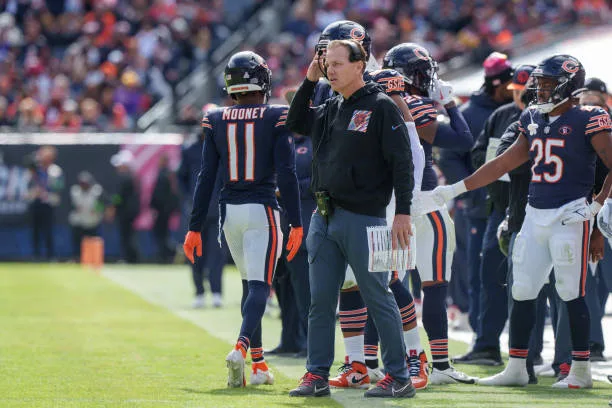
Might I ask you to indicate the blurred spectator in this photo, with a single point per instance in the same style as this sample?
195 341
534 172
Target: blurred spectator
125 205
46 183
164 201
88 208
57 50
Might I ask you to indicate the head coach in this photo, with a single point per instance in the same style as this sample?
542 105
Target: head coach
361 153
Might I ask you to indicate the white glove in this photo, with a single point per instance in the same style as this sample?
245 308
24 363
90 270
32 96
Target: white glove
441 91
582 214
443 194
502 227
604 219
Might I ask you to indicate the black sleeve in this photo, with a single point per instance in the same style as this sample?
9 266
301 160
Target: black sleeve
396 151
204 184
286 178
301 116
508 138
479 151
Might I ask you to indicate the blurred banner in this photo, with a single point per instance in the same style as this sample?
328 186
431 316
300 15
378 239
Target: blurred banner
75 153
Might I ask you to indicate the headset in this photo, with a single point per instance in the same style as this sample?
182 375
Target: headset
355 53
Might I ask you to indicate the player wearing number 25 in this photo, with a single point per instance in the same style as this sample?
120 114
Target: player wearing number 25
251 147
562 140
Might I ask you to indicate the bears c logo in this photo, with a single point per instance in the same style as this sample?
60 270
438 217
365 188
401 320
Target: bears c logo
357 34
421 54
570 66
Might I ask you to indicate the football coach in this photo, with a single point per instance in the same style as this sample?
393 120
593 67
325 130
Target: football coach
361 153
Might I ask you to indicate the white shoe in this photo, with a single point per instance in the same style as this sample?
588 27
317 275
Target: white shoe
262 377
515 374
506 379
198 302
217 300
235 369
375 375
578 377
450 376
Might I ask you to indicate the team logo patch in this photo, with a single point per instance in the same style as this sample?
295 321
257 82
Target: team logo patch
357 34
302 150
421 54
565 130
360 120
570 66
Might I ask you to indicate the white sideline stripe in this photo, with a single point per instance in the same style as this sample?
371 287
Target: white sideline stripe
129 280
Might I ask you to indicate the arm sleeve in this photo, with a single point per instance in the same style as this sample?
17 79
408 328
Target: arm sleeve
418 155
286 178
205 183
507 139
301 116
397 151
457 135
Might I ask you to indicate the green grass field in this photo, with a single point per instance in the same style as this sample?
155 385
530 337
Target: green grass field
128 338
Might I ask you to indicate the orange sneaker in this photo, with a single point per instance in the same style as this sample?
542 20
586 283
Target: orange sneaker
419 371
354 375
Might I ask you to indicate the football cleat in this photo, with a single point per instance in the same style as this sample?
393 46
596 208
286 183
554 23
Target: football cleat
261 375
375 375
450 376
389 387
579 376
419 371
515 374
235 368
354 375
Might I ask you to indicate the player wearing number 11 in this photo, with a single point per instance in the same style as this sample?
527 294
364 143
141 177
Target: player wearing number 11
249 144
562 140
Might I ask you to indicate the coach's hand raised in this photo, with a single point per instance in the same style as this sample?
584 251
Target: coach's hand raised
314 69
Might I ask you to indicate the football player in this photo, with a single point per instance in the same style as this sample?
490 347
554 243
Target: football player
250 145
562 140
435 239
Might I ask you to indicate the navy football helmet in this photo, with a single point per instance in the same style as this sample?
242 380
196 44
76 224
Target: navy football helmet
569 75
345 30
247 72
415 64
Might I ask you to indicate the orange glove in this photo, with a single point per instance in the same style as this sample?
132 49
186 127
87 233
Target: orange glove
193 240
294 242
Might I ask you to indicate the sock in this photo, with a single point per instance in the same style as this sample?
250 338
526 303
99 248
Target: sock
436 324
370 348
354 348
353 317
253 309
243 345
522 320
406 305
580 326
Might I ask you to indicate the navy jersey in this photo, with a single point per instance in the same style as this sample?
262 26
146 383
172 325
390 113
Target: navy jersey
424 113
562 157
254 153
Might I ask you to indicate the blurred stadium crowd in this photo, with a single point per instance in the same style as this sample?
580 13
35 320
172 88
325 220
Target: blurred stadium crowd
89 65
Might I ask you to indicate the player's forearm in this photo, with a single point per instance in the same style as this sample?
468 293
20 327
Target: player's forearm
289 189
300 117
606 190
201 200
487 173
